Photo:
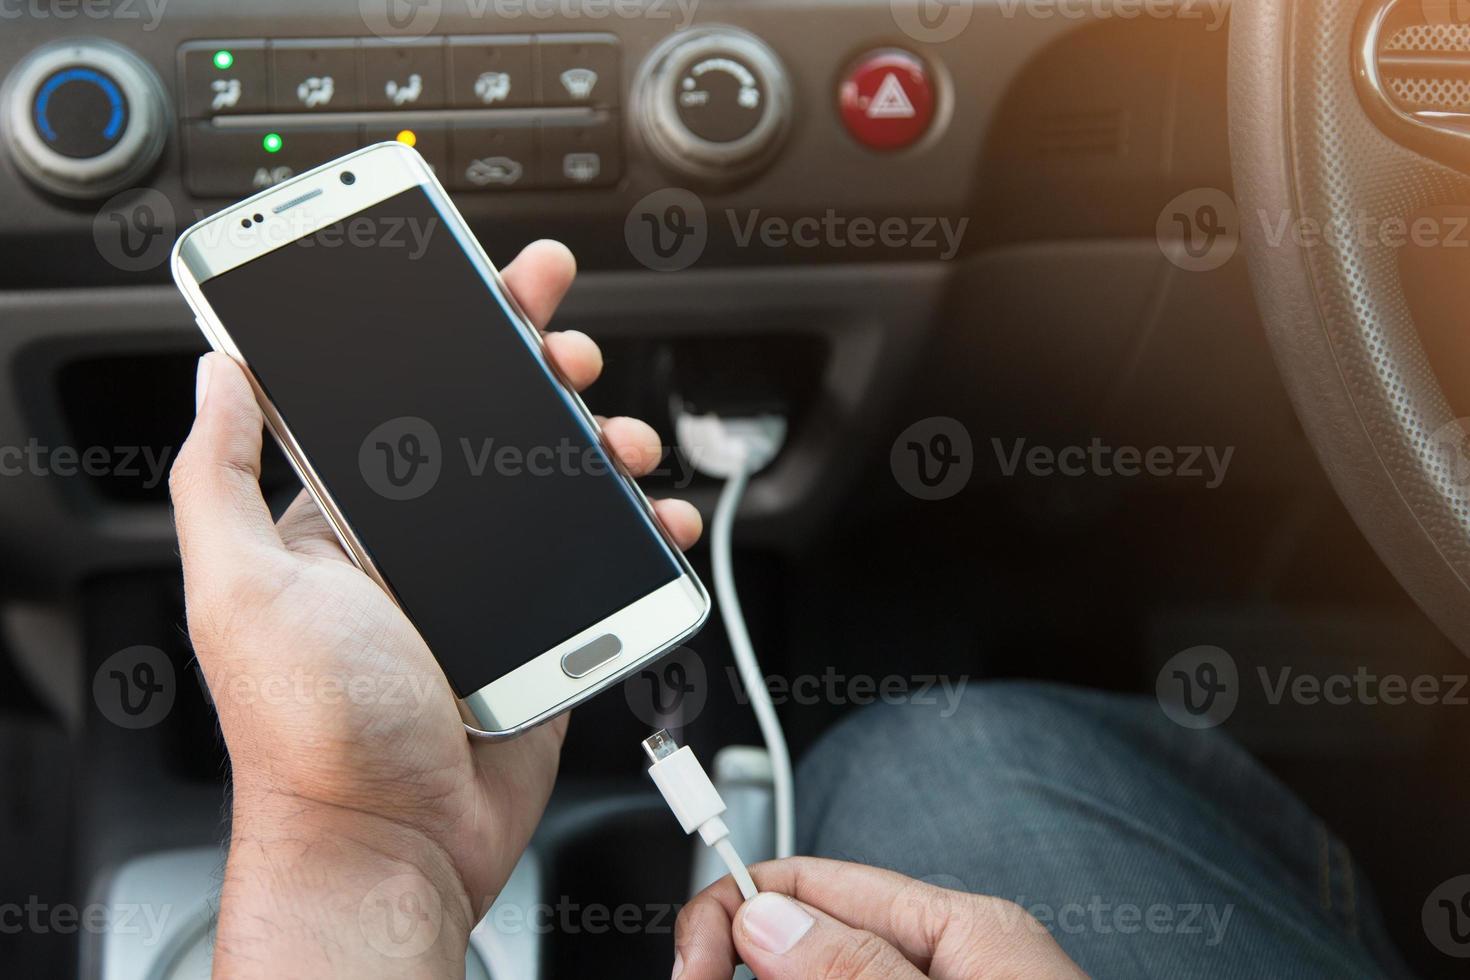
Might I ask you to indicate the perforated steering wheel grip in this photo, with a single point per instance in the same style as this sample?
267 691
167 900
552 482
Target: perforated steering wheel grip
1310 143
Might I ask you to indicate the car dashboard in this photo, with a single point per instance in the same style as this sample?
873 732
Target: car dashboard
861 215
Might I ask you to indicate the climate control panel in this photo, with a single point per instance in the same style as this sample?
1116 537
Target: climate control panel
559 122
495 112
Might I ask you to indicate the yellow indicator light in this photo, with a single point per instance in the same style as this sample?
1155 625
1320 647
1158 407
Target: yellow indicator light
406 137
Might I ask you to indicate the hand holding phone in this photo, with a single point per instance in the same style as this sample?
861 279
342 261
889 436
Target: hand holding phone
331 704
420 409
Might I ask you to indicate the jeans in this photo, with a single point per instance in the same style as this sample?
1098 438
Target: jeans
1147 850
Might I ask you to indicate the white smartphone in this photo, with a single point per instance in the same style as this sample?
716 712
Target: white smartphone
419 408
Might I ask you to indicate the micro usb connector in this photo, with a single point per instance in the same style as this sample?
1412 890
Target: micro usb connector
697 805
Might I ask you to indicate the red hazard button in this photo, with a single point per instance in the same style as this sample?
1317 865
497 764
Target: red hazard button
886 99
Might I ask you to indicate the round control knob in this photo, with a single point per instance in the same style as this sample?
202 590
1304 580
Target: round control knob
714 103
83 118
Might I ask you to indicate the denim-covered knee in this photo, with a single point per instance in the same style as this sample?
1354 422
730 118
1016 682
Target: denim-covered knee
1006 723
1000 763
1022 768
948 750
1058 799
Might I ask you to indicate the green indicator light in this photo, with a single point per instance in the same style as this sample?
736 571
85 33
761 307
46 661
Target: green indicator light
223 60
272 142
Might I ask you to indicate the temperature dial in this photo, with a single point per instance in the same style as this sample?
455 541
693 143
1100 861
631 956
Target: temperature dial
84 118
713 104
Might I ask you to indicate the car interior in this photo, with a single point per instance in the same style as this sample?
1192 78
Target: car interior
1078 366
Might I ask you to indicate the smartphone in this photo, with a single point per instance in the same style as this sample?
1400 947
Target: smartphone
418 406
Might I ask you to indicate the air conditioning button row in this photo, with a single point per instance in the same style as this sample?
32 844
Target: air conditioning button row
251 76
554 150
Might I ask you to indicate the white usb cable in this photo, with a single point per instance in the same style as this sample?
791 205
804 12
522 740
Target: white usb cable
721 531
728 449
696 803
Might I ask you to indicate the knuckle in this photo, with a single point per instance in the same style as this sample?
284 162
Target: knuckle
996 929
855 957
684 921
1001 914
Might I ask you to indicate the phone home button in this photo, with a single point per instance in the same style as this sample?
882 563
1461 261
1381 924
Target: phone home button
588 657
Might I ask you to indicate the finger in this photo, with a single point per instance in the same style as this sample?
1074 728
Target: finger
634 442
221 517
704 948
539 277
305 530
782 940
943 932
681 519
576 356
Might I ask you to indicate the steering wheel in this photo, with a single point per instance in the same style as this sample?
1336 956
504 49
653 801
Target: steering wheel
1319 135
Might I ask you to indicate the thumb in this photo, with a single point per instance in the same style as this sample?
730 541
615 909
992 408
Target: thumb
780 939
221 517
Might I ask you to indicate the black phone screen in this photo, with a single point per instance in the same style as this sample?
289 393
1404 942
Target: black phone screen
482 496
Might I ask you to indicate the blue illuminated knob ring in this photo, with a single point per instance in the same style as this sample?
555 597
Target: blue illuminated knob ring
84 118
96 135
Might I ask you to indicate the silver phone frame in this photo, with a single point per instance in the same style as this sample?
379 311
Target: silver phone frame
657 623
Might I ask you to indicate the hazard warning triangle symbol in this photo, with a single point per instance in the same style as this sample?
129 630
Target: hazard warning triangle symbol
890 101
